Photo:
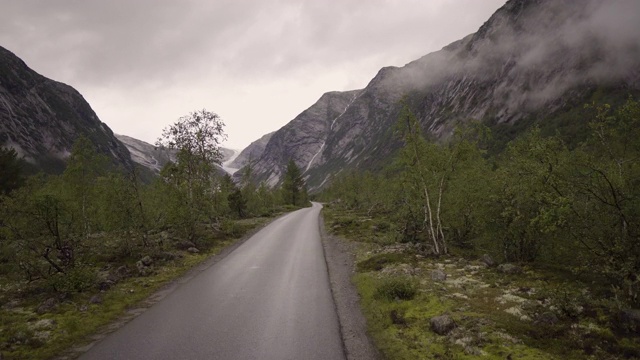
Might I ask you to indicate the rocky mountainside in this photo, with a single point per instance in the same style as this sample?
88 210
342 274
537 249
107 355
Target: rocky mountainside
41 118
153 158
252 152
532 60
146 154
304 138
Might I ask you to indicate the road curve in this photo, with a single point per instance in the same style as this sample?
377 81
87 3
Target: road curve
268 299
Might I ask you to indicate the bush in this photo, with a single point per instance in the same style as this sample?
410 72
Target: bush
377 262
396 288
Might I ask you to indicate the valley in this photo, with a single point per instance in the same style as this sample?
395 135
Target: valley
480 201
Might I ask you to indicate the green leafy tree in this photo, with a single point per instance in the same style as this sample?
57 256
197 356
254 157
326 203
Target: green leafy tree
192 179
11 176
293 186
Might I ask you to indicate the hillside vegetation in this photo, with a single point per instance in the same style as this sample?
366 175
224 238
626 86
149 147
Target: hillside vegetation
79 249
532 252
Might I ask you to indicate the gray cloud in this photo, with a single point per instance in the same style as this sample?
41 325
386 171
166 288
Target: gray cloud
144 61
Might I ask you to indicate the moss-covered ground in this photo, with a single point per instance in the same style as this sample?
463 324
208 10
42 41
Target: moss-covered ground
533 313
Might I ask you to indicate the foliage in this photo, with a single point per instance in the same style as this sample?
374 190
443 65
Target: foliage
294 191
396 288
539 201
11 173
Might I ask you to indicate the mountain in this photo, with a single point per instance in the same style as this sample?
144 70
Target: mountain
532 62
252 152
41 118
152 158
146 154
304 138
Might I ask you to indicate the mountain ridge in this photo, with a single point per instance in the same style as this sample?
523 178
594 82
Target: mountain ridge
530 61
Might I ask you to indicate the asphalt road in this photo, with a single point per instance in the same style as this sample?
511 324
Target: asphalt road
268 299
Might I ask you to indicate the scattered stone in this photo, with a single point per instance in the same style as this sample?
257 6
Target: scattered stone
147 260
84 308
487 260
11 305
43 324
460 296
472 350
628 321
47 306
121 273
547 318
144 270
193 250
42 336
96 299
442 324
438 275
510 269
185 245
517 312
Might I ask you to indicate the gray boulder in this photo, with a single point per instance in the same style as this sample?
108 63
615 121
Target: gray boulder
442 324
487 260
193 250
510 269
438 275
47 306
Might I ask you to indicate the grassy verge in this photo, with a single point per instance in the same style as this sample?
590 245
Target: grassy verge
36 323
493 312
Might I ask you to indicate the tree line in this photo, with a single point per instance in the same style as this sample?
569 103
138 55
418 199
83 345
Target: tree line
58 228
540 201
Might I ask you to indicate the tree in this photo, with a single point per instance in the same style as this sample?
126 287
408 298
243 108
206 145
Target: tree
10 171
293 186
192 179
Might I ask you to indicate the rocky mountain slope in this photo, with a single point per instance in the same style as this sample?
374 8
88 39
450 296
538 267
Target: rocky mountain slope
41 118
146 154
153 158
532 60
252 152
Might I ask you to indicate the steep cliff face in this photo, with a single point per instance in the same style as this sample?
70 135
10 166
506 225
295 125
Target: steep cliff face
42 118
153 158
304 138
532 60
252 152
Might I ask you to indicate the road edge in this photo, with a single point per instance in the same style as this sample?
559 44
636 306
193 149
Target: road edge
353 326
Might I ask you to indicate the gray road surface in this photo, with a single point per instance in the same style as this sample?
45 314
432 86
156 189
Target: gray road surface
268 299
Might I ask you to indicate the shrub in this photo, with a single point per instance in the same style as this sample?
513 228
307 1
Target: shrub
396 288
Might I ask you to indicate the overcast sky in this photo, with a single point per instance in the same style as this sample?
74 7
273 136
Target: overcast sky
257 63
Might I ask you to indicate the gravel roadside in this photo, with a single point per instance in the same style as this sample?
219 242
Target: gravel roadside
353 325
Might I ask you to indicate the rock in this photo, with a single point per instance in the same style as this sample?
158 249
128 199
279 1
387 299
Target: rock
47 306
438 275
185 245
147 260
121 273
96 299
193 250
43 324
143 270
628 321
510 269
442 324
547 318
84 308
487 260
105 285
